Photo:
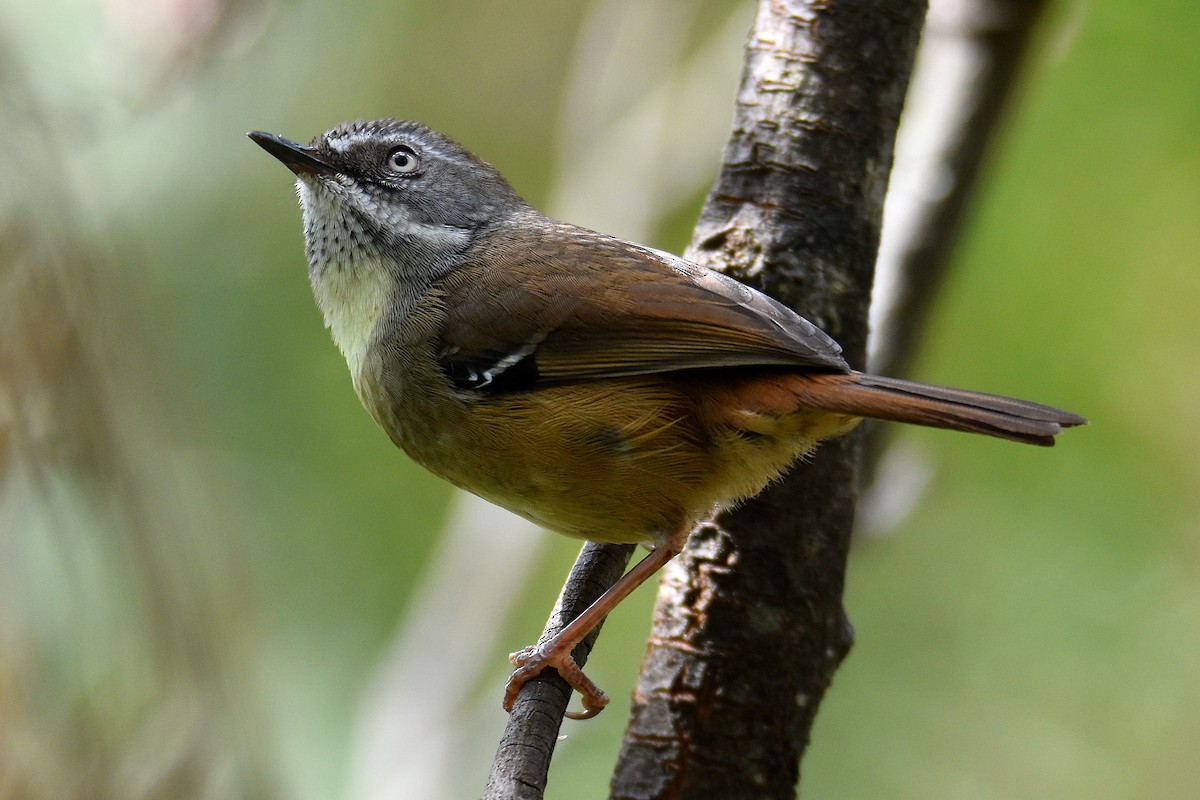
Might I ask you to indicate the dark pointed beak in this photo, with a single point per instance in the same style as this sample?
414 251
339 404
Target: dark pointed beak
298 158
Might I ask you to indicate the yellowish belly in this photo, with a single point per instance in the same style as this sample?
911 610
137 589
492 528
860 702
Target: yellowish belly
561 457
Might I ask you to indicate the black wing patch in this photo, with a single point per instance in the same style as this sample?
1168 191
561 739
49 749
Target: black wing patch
491 371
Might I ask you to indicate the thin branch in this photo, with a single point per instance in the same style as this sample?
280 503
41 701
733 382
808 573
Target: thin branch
749 626
523 756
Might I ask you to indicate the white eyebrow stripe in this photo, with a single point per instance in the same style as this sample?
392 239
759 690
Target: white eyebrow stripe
345 141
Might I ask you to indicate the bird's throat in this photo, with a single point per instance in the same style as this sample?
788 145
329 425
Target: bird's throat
353 297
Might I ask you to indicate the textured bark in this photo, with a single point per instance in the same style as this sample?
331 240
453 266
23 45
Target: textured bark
749 626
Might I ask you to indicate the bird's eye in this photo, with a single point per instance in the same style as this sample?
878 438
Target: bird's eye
402 160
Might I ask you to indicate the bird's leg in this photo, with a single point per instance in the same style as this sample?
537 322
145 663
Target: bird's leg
556 651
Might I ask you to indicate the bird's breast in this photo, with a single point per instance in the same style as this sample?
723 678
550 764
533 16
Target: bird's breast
353 297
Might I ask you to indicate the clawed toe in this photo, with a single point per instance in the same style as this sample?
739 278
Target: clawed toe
530 662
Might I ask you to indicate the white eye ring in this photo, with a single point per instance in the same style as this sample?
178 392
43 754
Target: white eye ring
402 160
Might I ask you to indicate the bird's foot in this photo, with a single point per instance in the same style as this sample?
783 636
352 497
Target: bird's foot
533 659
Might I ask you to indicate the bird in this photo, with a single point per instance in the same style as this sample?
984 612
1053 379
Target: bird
603 389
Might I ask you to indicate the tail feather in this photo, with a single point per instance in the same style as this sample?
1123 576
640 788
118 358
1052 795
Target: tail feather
899 400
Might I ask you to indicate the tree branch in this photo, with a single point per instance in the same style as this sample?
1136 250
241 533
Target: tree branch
523 756
749 626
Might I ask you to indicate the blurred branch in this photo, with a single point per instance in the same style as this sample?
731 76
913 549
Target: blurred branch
125 641
523 757
636 78
967 67
749 626
414 723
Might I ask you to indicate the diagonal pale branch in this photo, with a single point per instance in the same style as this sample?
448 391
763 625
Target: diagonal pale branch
968 65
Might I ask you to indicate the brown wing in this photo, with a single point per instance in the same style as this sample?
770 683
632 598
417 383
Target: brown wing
589 306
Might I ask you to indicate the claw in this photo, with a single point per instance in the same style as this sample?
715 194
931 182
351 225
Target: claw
530 662
556 651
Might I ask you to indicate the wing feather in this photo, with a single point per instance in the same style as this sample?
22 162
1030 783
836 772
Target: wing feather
586 306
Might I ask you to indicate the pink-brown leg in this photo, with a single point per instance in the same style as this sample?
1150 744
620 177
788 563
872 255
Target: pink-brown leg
556 651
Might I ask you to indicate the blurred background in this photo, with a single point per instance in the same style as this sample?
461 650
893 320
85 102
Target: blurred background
217 579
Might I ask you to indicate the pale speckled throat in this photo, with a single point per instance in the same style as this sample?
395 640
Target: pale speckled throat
352 287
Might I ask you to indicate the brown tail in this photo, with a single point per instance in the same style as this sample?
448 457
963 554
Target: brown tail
939 407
